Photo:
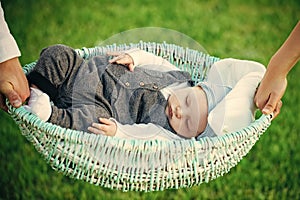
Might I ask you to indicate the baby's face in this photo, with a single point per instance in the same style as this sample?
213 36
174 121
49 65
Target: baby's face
183 111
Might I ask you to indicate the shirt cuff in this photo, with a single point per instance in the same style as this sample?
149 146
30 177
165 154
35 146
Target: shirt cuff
141 57
8 48
136 56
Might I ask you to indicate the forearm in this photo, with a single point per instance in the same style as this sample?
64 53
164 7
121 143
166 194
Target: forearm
143 132
8 46
141 58
286 56
74 118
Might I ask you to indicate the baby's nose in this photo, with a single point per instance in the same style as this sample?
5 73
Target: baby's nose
178 113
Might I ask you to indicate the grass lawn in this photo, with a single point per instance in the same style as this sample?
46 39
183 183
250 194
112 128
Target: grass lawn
252 29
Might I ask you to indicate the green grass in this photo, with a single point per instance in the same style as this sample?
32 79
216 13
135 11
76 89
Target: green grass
241 29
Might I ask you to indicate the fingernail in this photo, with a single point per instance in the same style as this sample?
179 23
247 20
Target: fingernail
266 111
17 103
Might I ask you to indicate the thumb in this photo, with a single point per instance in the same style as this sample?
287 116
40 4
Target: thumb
131 67
7 89
271 104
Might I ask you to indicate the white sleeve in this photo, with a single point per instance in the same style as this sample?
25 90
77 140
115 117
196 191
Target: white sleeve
148 131
8 46
143 58
237 109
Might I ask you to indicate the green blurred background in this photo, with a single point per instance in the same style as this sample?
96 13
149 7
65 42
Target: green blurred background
252 29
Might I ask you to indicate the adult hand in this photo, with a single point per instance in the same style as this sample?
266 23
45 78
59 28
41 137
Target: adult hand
274 83
13 83
269 94
122 58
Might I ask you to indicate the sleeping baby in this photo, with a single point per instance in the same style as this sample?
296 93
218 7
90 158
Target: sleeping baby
141 96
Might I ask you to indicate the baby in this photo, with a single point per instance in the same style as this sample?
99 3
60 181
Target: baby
135 95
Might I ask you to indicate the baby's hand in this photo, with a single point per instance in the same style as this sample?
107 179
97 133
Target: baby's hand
122 58
105 127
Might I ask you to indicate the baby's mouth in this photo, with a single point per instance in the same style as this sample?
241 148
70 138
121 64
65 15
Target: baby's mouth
170 111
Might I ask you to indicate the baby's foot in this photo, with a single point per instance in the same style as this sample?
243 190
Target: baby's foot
39 104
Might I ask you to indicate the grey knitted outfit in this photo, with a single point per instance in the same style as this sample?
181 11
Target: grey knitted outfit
84 90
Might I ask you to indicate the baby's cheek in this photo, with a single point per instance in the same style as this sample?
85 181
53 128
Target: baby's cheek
179 128
174 124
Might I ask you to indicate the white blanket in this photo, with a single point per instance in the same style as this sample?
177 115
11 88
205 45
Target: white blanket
237 109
